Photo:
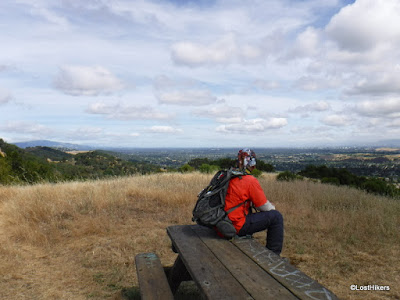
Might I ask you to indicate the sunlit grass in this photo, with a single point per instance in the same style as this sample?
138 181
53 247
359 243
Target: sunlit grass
78 240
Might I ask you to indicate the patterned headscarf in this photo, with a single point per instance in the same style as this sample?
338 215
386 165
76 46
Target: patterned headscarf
247 157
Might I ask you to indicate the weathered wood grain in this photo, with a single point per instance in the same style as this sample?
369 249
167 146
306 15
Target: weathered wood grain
258 283
213 279
238 269
288 275
153 282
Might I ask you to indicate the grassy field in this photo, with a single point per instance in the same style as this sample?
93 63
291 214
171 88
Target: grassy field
78 240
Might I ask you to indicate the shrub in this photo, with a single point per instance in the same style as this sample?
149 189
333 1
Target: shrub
378 186
206 168
287 176
256 173
186 168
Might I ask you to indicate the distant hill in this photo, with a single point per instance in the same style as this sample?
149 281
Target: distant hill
389 143
52 144
49 153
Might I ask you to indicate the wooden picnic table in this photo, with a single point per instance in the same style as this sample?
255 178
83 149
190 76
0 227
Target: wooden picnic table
240 268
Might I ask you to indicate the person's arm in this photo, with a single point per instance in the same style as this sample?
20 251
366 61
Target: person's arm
266 207
258 198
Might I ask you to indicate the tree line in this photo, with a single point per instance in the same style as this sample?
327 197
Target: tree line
206 165
341 176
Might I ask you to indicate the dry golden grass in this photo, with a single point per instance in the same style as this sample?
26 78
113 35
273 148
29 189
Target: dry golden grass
78 240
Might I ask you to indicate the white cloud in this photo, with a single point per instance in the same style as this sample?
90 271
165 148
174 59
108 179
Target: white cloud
247 63
4 67
320 106
336 120
101 108
183 92
308 110
224 51
395 123
222 113
365 24
5 96
388 83
188 97
88 132
307 44
191 54
99 135
128 112
41 10
25 127
86 81
389 108
253 126
315 83
165 129
307 84
266 85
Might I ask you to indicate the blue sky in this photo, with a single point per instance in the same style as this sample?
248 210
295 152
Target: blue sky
200 73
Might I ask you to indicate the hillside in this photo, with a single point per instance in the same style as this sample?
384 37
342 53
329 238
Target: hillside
78 240
49 154
44 164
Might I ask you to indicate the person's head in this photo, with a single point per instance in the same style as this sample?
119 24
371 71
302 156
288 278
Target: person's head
246 159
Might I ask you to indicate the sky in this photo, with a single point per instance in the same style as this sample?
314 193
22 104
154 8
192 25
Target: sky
207 73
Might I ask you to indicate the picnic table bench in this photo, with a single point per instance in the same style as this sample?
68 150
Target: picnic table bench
241 268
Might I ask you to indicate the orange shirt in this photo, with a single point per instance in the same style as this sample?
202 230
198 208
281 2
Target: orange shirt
239 190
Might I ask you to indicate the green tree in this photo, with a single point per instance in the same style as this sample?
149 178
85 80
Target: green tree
224 163
186 168
5 171
197 162
262 166
331 180
206 168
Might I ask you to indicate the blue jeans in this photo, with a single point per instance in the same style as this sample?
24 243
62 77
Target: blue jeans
272 221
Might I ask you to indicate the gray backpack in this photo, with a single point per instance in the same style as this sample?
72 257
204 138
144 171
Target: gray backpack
209 209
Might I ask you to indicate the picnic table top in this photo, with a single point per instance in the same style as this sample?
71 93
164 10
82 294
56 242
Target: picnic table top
241 268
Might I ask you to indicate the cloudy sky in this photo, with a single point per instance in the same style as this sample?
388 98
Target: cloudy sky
209 73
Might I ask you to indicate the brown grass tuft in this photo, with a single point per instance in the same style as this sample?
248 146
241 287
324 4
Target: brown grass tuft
78 240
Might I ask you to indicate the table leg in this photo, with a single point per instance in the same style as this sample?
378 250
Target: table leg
177 274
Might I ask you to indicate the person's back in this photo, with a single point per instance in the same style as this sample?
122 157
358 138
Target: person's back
247 188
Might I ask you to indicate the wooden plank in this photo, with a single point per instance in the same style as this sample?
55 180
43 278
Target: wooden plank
259 284
153 282
293 279
212 278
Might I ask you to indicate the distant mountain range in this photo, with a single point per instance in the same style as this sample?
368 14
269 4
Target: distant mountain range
52 144
390 143
68 146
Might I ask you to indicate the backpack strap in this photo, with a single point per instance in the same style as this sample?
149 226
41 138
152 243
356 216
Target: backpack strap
236 173
235 207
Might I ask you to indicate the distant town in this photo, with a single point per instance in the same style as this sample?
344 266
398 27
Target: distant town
374 162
